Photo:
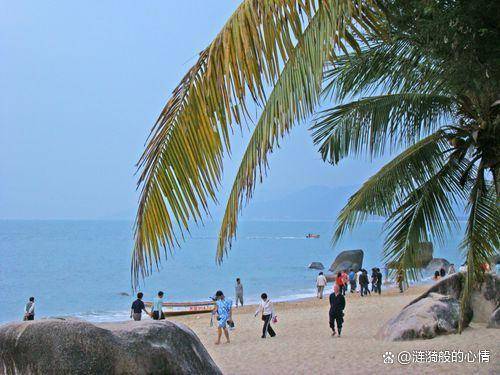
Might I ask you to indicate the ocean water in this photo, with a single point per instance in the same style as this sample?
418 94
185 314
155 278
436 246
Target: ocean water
82 268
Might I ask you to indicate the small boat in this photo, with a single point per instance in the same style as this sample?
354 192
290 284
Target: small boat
312 235
185 308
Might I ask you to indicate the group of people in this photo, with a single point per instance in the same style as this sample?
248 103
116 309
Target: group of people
222 311
354 281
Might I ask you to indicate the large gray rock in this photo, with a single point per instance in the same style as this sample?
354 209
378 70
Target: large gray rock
484 300
435 265
70 346
316 266
433 315
346 260
494 321
423 258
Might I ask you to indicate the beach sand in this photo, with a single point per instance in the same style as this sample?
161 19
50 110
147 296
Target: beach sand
304 345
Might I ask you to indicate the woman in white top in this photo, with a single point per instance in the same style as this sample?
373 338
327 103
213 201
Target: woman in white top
267 310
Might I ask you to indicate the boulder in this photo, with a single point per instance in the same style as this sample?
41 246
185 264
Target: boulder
433 315
316 266
346 260
483 300
494 321
435 265
71 346
424 257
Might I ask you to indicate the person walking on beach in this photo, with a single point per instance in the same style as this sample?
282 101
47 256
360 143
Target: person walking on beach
157 309
379 280
223 310
352 280
363 282
442 272
267 310
29 309
358 275
399 280
336 313
320 285
138 307
345 281
451 270
374 280
239 292
340 282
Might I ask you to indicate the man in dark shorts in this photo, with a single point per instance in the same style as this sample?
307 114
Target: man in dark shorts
138 307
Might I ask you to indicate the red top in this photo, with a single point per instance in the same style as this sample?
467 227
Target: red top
339 281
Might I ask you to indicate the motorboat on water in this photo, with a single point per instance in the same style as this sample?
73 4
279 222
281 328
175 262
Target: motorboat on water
312 235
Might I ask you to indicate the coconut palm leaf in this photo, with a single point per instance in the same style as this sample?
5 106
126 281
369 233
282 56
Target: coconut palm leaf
368 125
391 67
426 213
384 192
182 164
482 235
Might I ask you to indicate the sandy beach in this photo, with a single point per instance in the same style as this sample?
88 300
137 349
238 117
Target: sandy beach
303 344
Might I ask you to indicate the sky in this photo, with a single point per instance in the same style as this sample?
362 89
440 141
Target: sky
81 85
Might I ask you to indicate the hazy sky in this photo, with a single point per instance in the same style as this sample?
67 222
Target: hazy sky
81 85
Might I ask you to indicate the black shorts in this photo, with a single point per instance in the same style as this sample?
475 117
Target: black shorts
156 315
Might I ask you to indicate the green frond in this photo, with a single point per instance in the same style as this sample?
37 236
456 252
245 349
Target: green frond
384 192
427 213
482 235
369 125
182 164
391 66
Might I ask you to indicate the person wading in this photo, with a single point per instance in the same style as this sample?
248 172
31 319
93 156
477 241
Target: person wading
336 313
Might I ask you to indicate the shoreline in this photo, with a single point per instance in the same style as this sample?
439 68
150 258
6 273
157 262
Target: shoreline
303 344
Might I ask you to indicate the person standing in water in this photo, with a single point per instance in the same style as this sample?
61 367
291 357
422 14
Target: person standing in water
29 309
267 310
336 313
224 312
138 307
157 309
239 292
320 285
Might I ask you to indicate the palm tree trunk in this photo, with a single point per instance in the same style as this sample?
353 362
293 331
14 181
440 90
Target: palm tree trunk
496 178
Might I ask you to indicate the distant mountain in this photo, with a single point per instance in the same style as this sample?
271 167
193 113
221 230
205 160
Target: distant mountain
311 203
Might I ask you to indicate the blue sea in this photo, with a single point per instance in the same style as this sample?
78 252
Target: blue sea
82 268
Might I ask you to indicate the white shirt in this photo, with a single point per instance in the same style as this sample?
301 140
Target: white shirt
321 280
266 307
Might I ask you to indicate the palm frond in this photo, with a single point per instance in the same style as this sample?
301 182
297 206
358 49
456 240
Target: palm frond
426 213
390 66
371 124
482 235
182 164
384 192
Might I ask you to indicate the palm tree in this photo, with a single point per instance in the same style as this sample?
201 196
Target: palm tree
283 45
397 94
348 51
